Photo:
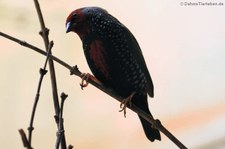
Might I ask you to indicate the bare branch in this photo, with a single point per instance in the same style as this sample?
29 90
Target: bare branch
60 132
25 44
42 71
74 70
44 33
24 139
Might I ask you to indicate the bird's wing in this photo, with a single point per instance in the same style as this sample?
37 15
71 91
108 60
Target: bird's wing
136 51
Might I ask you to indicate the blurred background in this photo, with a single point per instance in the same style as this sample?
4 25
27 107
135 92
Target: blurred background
184 49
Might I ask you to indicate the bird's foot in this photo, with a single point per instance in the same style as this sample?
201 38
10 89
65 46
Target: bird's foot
124 103
84 80
85 77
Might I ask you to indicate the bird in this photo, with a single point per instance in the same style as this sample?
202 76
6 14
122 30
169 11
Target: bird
115 58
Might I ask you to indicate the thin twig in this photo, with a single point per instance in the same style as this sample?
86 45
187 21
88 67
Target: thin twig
30 46
24 139
74 70
60 132
42 71
44 33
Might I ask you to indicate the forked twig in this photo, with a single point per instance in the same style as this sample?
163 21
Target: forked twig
24 139
44 33
60 132
42 71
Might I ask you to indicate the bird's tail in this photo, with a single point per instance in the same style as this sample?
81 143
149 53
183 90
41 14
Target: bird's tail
141 102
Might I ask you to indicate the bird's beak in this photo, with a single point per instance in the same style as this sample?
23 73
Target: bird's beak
68 27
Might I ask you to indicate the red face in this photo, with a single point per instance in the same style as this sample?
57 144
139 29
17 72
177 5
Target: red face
77 22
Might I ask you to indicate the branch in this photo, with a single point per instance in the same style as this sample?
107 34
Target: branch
42 71
25 44
24 139
75 71
44 33
60 120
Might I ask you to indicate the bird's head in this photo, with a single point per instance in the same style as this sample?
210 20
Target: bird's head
79 20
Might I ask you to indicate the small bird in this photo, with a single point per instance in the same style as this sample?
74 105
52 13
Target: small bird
115 58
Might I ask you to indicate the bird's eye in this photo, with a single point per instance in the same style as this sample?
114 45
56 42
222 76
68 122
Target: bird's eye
75 14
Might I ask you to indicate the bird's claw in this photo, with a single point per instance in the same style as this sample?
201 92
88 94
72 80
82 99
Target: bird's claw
85 77
84 80
124 103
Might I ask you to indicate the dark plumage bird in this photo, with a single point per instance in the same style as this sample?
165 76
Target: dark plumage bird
114 57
